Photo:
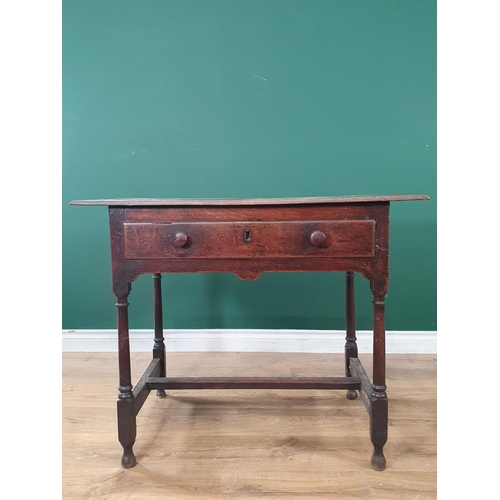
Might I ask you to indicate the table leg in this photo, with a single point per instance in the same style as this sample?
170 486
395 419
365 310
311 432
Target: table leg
379 406
126 400
159 341
351 348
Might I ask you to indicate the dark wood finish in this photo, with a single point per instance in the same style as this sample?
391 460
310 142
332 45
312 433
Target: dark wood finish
257 213
180 239
249 237
159 350
249 240
141 390
351 347
254 383
357 370
318 238
378 413
256 239
126 400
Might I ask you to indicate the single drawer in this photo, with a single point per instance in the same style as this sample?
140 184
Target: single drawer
249 240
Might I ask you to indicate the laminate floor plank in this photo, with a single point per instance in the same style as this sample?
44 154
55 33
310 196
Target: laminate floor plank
265 444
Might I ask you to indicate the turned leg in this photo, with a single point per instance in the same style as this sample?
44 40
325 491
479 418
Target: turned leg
378 398
159 341
351 348
126 400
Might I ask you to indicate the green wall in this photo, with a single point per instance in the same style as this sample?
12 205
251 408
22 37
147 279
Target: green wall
239 99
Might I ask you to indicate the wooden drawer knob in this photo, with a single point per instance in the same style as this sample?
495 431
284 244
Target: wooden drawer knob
317 238
180 240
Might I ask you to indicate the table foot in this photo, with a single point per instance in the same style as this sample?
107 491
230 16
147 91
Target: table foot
161 393
351 394
378 459
127 428
128 458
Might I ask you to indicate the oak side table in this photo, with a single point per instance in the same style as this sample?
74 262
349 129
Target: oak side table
249 237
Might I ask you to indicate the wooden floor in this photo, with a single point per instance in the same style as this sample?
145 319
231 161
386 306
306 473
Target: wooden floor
225 444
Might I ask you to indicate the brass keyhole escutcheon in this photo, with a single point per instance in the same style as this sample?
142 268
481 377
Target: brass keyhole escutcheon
247 235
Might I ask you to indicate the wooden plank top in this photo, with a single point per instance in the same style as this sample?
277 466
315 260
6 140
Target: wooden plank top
181 202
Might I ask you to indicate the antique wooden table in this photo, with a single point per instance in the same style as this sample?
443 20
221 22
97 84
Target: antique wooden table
249 237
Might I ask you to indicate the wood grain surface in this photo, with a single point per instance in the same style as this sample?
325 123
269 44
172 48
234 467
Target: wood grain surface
121 202
266 444
249 240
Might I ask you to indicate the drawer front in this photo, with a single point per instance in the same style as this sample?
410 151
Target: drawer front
249 240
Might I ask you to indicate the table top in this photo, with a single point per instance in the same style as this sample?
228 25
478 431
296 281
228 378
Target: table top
181 202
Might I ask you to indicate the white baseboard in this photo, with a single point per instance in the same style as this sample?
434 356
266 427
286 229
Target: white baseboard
314 341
